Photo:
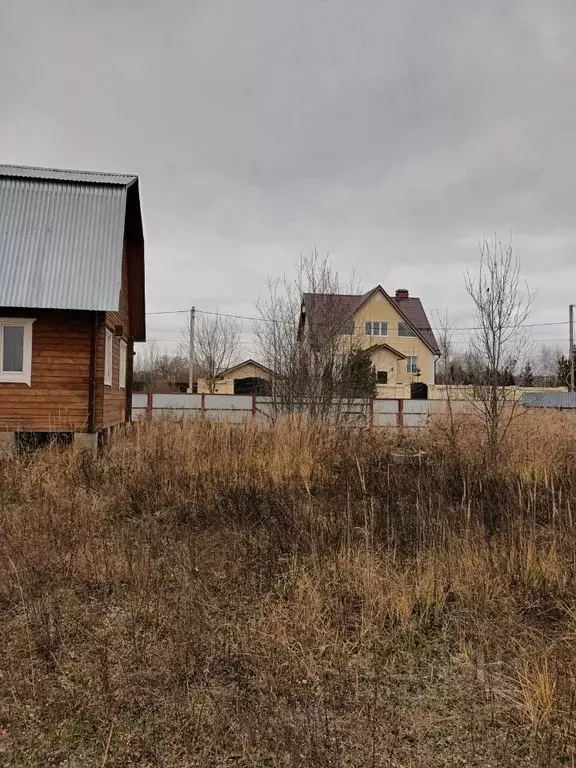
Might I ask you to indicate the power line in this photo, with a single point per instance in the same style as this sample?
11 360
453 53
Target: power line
169 312
292 322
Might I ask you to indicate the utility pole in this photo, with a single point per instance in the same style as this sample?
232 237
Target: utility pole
191 352
571 357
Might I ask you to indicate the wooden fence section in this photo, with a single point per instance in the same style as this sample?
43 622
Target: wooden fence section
239 409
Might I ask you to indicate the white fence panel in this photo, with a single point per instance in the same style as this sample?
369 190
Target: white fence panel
228 402
384 419
175 414
416 406
265 410
415 419
240 409
385 406
177 401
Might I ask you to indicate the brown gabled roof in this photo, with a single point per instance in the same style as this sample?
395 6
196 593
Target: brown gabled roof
413 311
339 308
247 362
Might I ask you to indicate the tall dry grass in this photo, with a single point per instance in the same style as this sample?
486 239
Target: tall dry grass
209 595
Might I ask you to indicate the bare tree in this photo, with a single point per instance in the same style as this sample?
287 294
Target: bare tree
308 349
216 345
546 367
500 339
157 369
446 369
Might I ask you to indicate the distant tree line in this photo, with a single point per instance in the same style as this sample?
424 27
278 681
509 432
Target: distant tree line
550 368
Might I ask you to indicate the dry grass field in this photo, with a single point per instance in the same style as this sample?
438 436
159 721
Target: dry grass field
207 595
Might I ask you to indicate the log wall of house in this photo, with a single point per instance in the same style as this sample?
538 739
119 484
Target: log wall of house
112 402
58 398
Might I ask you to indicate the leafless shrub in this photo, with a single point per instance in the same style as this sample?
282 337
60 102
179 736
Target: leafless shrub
501 338
307 351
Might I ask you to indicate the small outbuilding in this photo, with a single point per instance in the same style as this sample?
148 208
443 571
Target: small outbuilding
246 378
72 300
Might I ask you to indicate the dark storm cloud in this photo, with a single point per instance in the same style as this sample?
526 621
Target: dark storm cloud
393 135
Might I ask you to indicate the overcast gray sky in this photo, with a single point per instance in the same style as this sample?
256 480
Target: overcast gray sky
391 134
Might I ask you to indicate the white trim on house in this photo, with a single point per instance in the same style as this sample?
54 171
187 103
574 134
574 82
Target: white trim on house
108 358
122 365
25 375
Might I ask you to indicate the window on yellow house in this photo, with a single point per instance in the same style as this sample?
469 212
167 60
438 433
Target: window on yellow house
412 364
375 328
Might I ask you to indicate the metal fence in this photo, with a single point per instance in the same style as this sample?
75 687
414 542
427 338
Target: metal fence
563 401
240 409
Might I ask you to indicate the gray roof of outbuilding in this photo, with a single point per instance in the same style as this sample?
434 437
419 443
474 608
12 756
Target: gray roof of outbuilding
61 238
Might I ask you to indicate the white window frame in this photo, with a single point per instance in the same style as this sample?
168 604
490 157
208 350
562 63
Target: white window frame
108 358
122 365
380 323
25 375
412 369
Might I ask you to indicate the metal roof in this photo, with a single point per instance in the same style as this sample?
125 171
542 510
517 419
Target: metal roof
61 241
58 174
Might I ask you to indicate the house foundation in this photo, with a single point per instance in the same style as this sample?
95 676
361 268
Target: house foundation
7 443
87 441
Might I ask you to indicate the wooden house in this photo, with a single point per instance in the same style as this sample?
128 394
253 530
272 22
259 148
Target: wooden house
71 300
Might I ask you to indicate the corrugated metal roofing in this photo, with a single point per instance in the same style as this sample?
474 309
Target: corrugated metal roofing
57 174
61 241
562 400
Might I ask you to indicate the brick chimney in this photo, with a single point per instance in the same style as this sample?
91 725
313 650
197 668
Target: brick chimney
402 293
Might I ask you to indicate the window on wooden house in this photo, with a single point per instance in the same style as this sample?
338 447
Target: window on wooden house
348 328
108 358
382 377
16 350
122 367
375 328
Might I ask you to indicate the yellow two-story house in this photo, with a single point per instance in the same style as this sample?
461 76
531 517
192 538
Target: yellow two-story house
393 330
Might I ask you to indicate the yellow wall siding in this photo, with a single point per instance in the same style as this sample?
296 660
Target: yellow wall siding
379 308
248 371
225 384
222 387
466 391
384 360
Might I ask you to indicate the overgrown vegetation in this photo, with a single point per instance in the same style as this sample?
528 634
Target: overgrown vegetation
209 595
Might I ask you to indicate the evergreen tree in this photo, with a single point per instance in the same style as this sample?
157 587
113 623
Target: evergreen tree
527 375
563 371
358 376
